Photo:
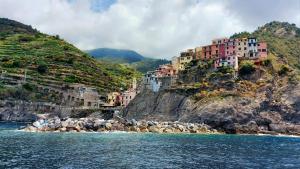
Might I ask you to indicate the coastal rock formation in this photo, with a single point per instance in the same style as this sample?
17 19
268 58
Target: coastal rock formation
267 112
117 124
10 111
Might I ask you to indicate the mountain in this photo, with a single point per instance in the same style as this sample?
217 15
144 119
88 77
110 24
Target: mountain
49 59
127 57
116 55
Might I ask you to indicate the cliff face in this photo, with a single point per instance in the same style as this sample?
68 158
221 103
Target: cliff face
262 113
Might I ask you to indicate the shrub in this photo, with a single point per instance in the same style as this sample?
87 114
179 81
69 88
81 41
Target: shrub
226 69
71 79
247 68
16 64
42 68
25 38
266 62
28 86
283 70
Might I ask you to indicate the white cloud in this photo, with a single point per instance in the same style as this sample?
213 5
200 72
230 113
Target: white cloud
157 28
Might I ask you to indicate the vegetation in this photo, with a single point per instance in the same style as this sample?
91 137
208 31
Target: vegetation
127 57
246 68
46 57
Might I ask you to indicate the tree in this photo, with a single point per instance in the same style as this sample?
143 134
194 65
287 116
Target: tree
42 68
246 68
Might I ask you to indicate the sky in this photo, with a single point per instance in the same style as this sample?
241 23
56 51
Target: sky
154 28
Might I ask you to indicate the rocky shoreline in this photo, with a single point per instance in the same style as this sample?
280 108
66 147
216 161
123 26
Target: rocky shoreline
117 124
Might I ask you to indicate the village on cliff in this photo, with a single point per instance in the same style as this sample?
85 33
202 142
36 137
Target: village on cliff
222 52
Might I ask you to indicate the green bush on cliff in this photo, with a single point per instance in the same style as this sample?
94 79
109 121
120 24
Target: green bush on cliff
283 70
226 69
246 68
42 68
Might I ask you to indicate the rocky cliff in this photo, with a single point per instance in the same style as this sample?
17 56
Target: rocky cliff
263 113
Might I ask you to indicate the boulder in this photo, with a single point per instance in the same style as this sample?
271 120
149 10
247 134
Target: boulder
37 124
108 125
31 129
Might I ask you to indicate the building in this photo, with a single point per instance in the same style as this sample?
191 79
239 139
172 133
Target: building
241 48
185 58
252 48
230 48
129 94
175 63
262 50
206 53
113 99
165 70
198 53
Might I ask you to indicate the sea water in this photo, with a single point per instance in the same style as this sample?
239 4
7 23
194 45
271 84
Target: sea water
20 149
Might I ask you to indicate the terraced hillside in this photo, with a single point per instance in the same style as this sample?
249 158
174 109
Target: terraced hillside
51 59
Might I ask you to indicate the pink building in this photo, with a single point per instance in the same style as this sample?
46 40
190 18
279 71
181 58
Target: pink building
262 50
165 70
129 94
222 50
230 47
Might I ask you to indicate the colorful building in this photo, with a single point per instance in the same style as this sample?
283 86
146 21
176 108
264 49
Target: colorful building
185 58
198 53
129 94
252 48
113 99
262 50
165 70
241 48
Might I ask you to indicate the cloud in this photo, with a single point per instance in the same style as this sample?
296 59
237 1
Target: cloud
154 28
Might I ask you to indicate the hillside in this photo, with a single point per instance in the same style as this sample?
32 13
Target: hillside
127 57
48 58
265 98
116 55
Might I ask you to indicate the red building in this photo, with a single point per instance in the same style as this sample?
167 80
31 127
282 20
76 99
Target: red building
206 52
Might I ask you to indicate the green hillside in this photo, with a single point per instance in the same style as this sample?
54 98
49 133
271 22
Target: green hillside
49 58
129 58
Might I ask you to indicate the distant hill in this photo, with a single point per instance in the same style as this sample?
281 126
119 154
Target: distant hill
50 59
127 57
116 55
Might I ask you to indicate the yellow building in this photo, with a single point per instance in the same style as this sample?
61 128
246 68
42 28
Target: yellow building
198 52
113 98
185 58
241 48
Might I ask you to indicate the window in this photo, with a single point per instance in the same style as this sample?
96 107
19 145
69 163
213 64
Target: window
258 44
240 49
251 54
264 50
254 44
228 58
259 50
239 43
245 48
